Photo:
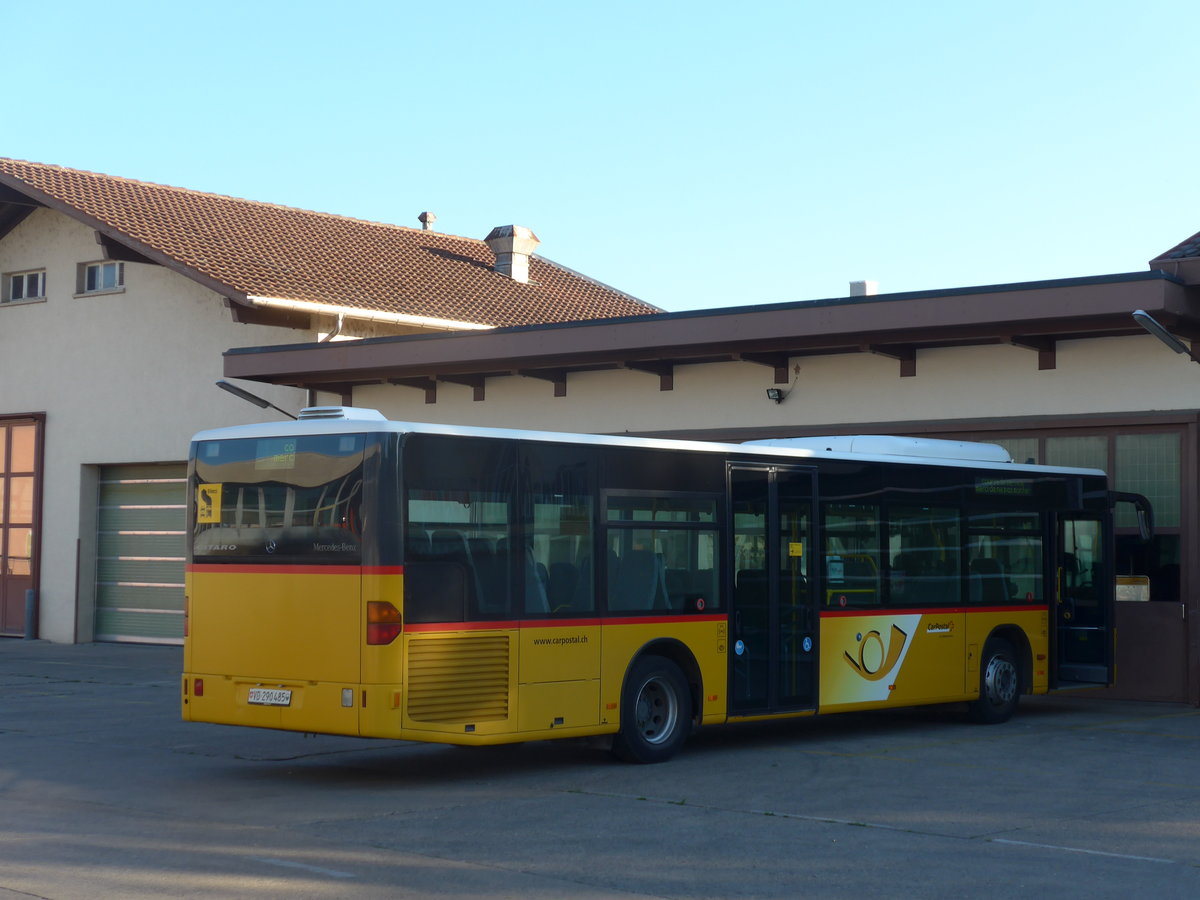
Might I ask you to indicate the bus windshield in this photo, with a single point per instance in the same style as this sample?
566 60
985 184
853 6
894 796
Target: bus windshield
282 499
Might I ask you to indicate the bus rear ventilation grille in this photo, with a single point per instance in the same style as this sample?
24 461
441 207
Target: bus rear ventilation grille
458 679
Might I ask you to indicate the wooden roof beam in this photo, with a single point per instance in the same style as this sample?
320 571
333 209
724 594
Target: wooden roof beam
905 353
428 385
664 370
777 361
474 382
557 377
1178 326
1045 347
344 390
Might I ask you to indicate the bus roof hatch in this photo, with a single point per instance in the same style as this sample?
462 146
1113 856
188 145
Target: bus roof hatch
891 445
342 412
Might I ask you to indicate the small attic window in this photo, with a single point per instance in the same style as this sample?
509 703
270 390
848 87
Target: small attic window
101 277
20 286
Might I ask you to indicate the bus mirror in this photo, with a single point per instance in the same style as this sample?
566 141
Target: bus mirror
1145 520
1145 514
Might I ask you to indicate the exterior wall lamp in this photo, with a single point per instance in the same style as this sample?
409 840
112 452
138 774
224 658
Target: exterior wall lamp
1154 327
776 394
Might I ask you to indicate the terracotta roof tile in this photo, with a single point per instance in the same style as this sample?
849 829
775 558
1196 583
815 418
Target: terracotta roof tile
1183 250
260 249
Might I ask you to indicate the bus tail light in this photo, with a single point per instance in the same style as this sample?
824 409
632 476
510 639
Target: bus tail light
198 687
383 622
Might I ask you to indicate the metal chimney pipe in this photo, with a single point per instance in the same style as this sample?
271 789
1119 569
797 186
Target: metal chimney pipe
513 245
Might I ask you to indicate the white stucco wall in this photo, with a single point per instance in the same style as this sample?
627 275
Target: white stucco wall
122 378
1107 375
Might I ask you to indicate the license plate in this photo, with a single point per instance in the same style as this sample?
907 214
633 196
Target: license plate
270 697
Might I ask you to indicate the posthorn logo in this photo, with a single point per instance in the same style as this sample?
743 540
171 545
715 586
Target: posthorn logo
875 660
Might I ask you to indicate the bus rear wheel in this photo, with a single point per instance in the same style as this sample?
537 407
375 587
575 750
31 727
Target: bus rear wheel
999 683
656 712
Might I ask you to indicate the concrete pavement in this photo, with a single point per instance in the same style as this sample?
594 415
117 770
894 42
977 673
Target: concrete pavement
104 792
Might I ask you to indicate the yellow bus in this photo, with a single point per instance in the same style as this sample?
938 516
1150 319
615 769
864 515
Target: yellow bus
355 576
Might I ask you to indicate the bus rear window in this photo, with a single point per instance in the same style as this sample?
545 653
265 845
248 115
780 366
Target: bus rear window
287 500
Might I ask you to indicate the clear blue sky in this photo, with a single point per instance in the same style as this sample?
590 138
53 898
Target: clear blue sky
694 154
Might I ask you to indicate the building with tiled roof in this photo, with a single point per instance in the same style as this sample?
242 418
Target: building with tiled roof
276 258
119 298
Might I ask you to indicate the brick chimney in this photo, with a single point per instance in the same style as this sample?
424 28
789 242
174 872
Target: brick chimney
513 245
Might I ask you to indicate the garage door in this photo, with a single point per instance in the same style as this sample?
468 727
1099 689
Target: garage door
139 572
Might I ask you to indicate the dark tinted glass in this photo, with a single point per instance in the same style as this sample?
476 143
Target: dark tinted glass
660 471
1004 552
459 505
924 556
852 554
558 572
284 500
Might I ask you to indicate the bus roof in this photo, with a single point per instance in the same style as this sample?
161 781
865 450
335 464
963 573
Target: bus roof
868 448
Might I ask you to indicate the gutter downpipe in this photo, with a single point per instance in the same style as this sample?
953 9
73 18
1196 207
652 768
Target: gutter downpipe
311 393
337 329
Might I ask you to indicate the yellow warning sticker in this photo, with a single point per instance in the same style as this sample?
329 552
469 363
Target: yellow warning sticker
796 548
208 504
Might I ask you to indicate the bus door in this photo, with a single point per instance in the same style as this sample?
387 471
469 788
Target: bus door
1083 604
773 612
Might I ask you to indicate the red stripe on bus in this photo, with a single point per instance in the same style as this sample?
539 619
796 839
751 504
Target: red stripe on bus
553 623
261 569
509 624
930 611
659 620
460 626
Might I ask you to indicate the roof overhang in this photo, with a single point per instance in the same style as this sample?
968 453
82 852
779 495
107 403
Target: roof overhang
311 307
19 199
116 243
1036 316
14 208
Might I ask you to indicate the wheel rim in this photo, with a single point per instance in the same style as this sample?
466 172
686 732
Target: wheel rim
656 711
1000 681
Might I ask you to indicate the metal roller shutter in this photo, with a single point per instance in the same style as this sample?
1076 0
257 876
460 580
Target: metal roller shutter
139 571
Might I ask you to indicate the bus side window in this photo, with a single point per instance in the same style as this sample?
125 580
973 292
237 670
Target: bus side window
558 513
1005 551
989 584
852 553
536 577
639 580
435 592
662 552
925 555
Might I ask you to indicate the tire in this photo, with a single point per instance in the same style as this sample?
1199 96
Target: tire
999 683
656 712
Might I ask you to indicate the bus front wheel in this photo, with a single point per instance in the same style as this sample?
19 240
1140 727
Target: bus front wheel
999 683
656 712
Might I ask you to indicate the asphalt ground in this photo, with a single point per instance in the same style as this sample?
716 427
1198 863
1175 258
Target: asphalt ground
105 792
